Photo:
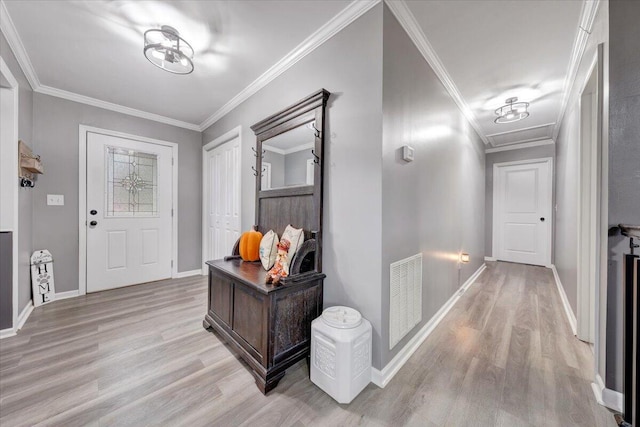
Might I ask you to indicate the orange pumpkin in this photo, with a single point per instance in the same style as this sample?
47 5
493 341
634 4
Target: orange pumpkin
250 245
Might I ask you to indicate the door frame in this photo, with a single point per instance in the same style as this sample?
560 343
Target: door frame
217 142
588 250
11 161
82 198
496 210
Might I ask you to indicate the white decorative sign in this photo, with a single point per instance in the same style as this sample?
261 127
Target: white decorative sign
44 290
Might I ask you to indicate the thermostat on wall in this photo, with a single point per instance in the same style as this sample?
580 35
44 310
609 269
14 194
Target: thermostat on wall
407 153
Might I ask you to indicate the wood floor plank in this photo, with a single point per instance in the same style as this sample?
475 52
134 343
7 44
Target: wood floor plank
503 356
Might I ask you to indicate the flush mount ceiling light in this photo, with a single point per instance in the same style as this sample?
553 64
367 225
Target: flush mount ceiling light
512 111
165 49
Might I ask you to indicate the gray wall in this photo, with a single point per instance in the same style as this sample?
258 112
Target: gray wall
277 168
435 204
56 129
295 167
510 156
25 196
567 175
624 164
349 65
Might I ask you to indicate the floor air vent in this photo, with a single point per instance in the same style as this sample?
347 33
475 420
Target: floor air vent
406 297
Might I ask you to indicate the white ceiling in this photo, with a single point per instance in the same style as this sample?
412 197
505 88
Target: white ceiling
493 50
490 50
94 48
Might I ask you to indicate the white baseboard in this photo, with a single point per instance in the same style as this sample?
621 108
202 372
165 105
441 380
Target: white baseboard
24 315
606 397
490 258
26 312
571 317
190 273
6 333
65 295
382 377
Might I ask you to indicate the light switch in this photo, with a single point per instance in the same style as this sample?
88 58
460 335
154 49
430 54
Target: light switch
55 200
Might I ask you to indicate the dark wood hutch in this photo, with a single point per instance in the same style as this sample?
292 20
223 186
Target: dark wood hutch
270 326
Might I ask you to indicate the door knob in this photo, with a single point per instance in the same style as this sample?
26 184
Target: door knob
542 219
93 223
93 211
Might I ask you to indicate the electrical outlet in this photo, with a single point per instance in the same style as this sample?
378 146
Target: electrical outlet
55 200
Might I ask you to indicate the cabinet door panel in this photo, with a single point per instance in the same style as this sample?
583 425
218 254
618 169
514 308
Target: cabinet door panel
248 319
220 297
294 313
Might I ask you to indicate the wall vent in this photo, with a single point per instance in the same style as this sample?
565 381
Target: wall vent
405 307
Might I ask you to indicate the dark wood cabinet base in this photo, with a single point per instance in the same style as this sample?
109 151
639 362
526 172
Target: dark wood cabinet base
269 327
266 386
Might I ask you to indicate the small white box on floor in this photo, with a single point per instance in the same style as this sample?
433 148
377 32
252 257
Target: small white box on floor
341 353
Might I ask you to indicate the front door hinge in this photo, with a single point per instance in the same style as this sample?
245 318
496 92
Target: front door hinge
171 263
171 212
172 161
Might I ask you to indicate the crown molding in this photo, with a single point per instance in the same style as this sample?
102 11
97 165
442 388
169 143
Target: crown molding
349 14
519 146
585 25
72 96
15 43
10 33
408 21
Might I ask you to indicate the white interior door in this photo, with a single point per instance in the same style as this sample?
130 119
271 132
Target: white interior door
266 176
522 212
310 171
129 209
222 198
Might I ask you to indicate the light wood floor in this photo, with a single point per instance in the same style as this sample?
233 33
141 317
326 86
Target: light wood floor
139 356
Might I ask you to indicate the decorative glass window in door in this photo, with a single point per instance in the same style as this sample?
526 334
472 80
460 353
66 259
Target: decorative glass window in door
132 183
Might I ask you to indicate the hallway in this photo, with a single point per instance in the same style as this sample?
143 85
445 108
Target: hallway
138 356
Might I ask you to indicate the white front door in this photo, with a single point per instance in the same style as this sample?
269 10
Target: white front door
522 212
222 198
129 202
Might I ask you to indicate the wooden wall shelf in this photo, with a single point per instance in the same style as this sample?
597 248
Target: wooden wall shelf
30 163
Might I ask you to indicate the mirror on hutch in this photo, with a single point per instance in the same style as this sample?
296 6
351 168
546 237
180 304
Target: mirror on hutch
268 325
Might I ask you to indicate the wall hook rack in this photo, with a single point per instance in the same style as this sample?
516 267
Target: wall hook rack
255 171
316 159
30 165
255 153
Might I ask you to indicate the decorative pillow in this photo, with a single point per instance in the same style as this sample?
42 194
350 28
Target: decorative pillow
295 236
269 249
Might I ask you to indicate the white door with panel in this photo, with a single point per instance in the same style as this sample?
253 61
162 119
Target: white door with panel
129 212
222 198
522 212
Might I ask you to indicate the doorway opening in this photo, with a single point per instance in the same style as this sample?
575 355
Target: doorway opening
589 200
9 185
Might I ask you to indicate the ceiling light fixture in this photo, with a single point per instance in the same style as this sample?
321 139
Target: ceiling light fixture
512 111
165 49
